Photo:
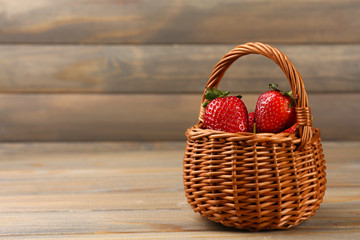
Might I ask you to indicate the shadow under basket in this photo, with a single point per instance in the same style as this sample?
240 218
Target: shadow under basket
256 181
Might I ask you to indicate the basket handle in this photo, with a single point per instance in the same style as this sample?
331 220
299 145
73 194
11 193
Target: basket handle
302 108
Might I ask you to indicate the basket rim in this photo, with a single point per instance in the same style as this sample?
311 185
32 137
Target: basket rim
197 132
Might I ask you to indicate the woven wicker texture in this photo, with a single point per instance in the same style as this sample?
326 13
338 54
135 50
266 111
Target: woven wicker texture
256 181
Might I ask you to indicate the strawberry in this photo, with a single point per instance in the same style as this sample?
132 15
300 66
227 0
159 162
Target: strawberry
290 129
275 111
251 122
225 113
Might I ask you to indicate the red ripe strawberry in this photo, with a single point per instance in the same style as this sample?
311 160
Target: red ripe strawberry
290 129
251 122
225 113
275 111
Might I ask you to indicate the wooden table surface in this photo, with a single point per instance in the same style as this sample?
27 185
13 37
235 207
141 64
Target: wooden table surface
122 190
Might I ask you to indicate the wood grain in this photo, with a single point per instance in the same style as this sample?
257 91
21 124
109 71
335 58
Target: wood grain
216 235
203 235
168 68
158 21
100 211
92 117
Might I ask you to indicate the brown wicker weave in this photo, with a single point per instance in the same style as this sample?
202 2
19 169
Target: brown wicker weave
256 181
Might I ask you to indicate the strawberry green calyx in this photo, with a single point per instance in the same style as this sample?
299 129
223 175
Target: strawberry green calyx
213 93
274 86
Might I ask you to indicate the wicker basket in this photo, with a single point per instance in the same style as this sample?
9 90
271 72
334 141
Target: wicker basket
256 181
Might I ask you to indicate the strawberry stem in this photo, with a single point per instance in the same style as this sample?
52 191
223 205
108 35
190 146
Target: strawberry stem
274 86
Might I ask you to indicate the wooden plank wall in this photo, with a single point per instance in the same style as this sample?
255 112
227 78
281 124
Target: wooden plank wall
86 70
